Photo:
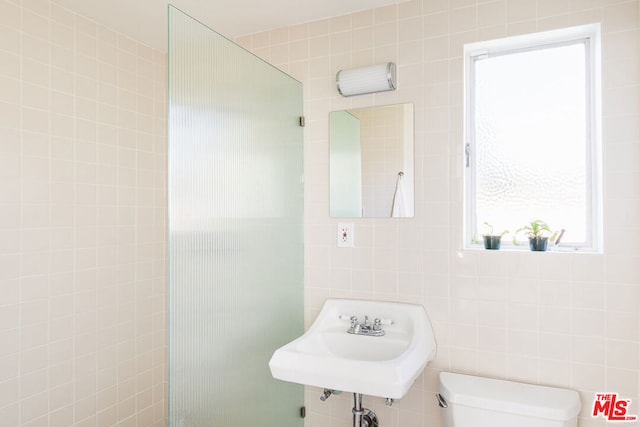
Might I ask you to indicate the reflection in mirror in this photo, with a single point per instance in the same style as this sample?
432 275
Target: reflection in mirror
371 162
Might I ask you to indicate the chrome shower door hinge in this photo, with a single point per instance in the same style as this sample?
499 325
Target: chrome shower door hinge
467 155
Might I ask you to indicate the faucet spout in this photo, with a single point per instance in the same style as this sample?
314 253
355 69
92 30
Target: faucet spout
366 328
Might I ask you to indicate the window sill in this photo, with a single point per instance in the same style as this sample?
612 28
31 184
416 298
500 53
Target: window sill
525 248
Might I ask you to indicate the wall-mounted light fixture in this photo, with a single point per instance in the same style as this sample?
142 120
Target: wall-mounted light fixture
371 79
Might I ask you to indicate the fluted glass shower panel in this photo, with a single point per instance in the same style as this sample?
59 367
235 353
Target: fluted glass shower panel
235 231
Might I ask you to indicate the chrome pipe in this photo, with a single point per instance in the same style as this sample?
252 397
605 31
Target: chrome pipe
362 417
357 410
326 393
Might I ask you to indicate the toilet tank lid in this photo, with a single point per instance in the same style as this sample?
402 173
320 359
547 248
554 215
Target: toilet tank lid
512 397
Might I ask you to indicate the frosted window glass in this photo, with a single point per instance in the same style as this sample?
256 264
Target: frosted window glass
235 231
530 124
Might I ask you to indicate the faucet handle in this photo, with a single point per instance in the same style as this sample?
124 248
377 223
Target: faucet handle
377 324
355 326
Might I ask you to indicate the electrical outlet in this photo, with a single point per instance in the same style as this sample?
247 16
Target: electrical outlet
345 235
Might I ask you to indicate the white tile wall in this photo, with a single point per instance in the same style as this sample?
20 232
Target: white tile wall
82 222
83 194
560 319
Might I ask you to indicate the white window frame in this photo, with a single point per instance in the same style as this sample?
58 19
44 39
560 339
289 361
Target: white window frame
590 34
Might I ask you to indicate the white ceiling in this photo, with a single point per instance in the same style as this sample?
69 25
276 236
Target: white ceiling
146 20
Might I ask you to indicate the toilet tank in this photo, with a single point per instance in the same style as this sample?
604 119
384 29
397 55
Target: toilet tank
471 401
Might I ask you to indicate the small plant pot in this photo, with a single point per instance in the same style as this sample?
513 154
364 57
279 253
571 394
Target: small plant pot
492 242
538 243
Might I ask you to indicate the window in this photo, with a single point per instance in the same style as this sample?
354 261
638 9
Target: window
532 149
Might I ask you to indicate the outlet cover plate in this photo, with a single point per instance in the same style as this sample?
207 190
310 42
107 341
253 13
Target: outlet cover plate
345 235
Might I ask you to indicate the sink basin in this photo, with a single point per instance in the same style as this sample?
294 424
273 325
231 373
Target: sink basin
386 366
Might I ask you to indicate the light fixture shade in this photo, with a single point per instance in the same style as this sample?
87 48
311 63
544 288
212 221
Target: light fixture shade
371 79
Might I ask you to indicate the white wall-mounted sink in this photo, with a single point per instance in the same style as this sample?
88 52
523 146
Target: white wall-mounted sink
386 366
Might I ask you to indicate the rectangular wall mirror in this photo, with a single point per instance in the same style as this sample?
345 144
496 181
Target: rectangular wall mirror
371 172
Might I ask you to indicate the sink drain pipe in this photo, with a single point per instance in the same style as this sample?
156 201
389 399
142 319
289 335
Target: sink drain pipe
362 417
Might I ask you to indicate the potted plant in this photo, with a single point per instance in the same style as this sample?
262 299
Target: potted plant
538 233
491 240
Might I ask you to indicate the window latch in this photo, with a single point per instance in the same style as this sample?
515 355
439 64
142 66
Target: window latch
467 155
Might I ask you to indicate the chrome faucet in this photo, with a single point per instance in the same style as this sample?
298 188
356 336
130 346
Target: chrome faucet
366 328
